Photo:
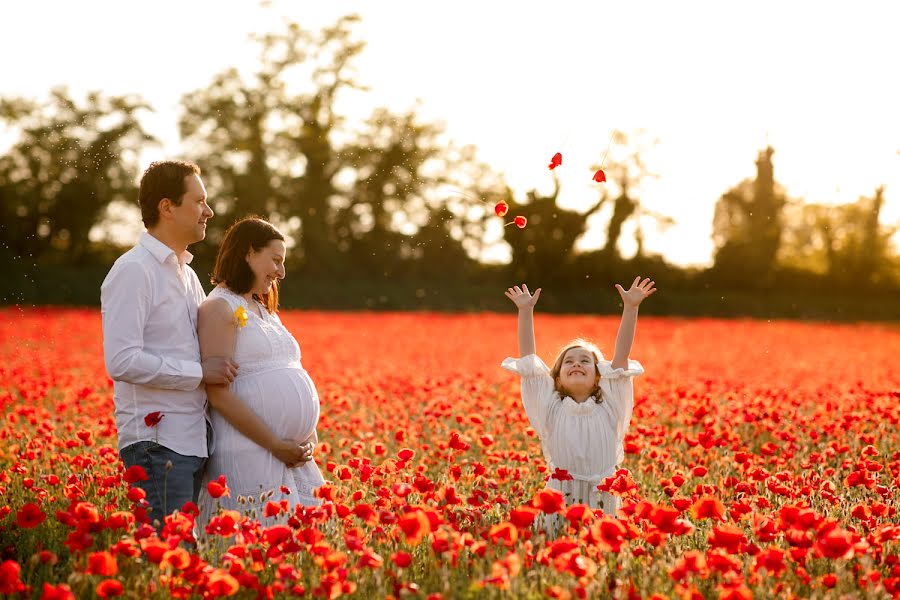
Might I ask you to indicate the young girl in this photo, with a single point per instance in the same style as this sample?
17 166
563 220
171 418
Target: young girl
581 407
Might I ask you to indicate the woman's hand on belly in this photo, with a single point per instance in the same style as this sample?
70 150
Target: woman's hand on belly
291 453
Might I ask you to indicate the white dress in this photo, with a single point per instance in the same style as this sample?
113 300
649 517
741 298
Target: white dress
273 383
585 439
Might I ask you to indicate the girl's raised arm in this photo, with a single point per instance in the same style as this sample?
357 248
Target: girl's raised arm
631 300
525 301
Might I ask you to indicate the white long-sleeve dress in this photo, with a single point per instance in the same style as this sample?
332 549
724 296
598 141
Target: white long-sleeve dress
586 438
274 384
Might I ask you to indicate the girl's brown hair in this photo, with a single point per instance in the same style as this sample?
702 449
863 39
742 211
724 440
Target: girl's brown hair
557 366
232 268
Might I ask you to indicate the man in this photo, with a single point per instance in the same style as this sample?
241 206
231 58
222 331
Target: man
149 303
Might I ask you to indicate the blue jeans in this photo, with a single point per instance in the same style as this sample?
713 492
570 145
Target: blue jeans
168 487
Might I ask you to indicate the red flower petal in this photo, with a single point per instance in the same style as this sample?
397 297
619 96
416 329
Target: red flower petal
153 419
555 161
599 176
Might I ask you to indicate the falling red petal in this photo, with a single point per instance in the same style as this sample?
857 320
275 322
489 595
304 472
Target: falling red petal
555 161
599 176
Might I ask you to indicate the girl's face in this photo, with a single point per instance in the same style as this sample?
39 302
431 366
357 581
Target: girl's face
578 373
267 265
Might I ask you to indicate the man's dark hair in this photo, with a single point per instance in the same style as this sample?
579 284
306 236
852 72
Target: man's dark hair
163 179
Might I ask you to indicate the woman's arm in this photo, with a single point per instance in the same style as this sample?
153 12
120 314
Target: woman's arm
216 329
631 300
525 301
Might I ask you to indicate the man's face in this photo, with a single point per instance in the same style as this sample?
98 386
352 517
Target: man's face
189 219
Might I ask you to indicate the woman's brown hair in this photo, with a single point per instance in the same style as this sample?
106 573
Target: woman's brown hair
232 268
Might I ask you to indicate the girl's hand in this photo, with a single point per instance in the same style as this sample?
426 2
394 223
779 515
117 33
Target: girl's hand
522 298
638 291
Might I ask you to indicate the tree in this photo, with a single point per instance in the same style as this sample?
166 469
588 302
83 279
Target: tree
69 163
275 151
396 217
545 248
628 173
747 227
362 194
846 243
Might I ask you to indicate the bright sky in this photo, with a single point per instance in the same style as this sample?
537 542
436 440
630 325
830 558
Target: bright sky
713 81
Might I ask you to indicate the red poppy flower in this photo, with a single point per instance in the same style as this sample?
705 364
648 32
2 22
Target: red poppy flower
608 534
708 508
772 560
277 534
520 222
555 161
56 592
136 494
370 559
153 419
221 583
689 563
578 513
501 208
218 488
415 525
29 516
523 516
505 533
599 176
401 559
102 563
549 501
727 537
561 475
366 513
135 473
836 543
109 588
9 578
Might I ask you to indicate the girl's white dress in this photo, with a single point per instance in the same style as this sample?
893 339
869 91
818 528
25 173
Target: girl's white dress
585 439
273 383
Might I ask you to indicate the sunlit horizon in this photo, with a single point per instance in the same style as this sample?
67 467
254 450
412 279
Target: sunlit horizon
714 83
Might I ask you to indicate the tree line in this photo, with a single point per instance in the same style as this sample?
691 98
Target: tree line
390 197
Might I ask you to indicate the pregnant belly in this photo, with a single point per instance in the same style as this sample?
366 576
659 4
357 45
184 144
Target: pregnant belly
285 399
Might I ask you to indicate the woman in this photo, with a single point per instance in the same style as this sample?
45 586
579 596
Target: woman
264 424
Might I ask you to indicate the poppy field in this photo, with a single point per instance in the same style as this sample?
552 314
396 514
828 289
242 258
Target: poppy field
762 461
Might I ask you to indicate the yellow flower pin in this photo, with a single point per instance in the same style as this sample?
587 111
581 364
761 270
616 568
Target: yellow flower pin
241 315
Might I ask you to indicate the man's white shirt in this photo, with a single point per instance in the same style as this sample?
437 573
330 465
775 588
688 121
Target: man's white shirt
149 303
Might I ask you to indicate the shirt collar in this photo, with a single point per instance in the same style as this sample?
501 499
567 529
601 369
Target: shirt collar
160 251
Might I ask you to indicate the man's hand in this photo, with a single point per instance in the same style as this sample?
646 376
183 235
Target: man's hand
218 370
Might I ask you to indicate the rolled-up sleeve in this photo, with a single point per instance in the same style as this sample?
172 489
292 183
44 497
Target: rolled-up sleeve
617 386
537 389
125 300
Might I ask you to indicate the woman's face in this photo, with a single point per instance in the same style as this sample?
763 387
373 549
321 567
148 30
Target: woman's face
267 265
578 373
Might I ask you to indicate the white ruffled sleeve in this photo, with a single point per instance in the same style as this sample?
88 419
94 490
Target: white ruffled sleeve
537 389
618 390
